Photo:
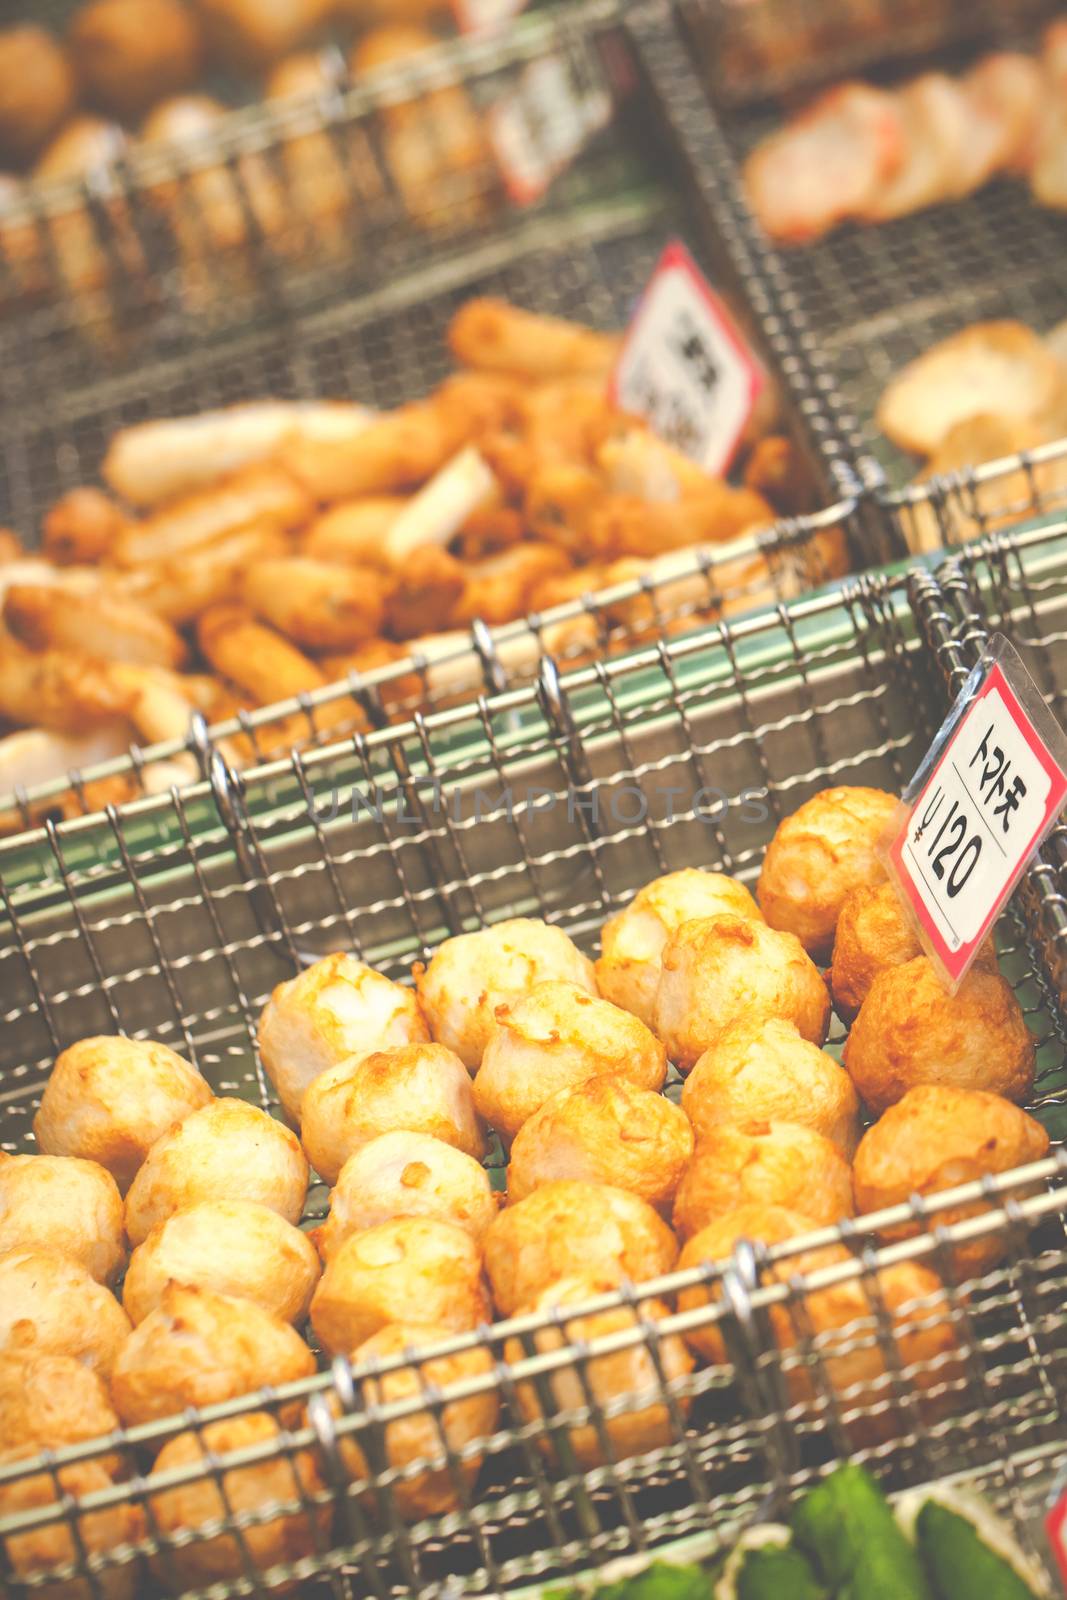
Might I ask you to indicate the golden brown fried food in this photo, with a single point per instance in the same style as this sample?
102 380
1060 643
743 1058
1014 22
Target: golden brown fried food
50 1305
354 530
772 1163
570 1226
50 1401
761 1067
875 932
554 1038
247 34
37 90
777 471
61 690
62 1204
825 848
259 494
336 1010
102 623
396 451
497 337
381 1275
936 1138
632 942
233 1247
404 1174
428 588
629 1381
759 1223
717 969
81 527
109 1100
422 1436
288 1481
626 525
317 179
226 1150
89 249
198 1348
911 1031
182 588
604 1130
255 657
423 1088
497 588
76 1535
321 607
131 53
473 973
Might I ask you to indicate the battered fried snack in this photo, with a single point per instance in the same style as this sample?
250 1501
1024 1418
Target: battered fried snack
256 658
825 848
404 1174
772 1163
50 1305
554 1038
131 53
717 969
61 690
605 1130
570 1226
255 495
37 90
997 367
109 1099
315 604
911 1031
420 1436
103 624
936 1138
396 451
48 1401
246 34
81 527
62 1204
760 1067
353 531
632 942
628 1382
494 336
76 1535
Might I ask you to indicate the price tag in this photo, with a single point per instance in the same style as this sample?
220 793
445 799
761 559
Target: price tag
1056 1533
540 125
990 789
485 16
684 367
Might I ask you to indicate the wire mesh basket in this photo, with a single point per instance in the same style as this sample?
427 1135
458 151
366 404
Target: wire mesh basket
864 300
557 801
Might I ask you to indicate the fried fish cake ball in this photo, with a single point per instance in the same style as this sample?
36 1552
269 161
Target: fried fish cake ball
473 973
229 1150
633 941
604 1131
382 1275
879 1344
50 1401
761 1067
109 1099
37 90
78 1535
198 1348
936 1138
759 1224
235 1247
827 847
570 1226
49 1305
773 1163
337 1008
717 969
555 1038
875 932
64 1204
283 1496
422 1435
407 1175
626 1378
910 1030
419 1088
131 53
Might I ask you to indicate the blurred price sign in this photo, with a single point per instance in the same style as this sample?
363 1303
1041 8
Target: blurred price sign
485 16
541 124
684 367
990 789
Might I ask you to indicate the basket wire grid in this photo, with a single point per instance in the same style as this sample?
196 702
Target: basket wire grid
865 300
556 801
584 260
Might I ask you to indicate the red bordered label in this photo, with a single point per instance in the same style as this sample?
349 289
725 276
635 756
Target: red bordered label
982 812
684 366
540 126
1056 1530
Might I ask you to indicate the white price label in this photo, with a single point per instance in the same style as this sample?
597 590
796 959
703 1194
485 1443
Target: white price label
538 127
980 814
685 368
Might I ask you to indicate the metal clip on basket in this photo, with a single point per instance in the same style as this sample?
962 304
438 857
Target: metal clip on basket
534 1450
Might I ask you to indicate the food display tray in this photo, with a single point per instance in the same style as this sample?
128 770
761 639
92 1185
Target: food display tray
557 800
